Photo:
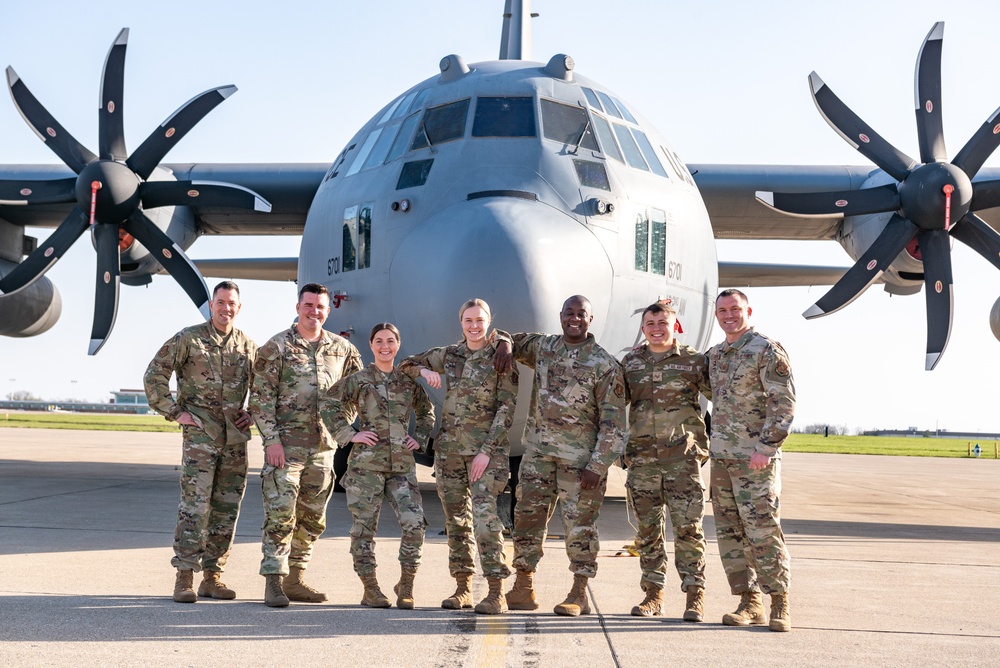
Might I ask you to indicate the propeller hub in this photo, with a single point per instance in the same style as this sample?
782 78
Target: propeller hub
118 195
925 200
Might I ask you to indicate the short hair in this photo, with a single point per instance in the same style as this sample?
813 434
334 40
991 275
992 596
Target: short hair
579 298
732 292
314 289
226 285
474 302
384 325
659 307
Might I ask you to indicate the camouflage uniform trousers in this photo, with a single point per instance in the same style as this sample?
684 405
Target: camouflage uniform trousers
365 490
295 499
213 479
472 507
748 525
677 485
542 482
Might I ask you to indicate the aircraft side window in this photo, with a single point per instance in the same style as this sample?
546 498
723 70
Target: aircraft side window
568 124
504 117
621 107
393 108
642 242
607 138
381 147
402 138
658 243
648 152
350 237
365 235
633 156
366 147
592 99
609 105
443 123
414 174
418 101
592 174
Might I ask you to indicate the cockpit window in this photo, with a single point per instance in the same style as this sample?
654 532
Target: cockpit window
504 117
366 148
592 98
607 138
441 124
402 138
633 156
621 107
609 105
568 124
592 174
648 152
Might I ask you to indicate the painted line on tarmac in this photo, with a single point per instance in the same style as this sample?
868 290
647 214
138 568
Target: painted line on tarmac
604 627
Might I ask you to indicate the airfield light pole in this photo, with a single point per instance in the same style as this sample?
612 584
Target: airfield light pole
73 393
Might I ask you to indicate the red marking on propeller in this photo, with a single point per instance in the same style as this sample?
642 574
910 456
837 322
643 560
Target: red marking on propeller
996 129
49 251
863 137
167 254
111 106
107 277
94 187
948 190
25 191
872 264
938 287
170 133
929 106
50 132
193 193
841 203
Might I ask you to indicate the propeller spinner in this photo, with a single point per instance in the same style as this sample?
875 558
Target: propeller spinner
932 200
111 190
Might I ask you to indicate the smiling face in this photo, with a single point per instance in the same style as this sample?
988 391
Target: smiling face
384 344
658 328
475 323
575 319
225 305
733 315
313 310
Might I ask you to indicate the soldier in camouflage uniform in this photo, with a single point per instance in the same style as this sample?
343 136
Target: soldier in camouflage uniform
666 447
471 453
213 362
576 429
381 463
293 371
753 396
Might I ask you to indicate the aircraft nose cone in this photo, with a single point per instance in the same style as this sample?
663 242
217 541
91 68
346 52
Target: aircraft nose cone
523 257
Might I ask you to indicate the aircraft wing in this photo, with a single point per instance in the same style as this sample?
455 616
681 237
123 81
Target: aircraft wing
263 269
289 187
729 194
757 275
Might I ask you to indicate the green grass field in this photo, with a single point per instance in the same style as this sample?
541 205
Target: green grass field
852 445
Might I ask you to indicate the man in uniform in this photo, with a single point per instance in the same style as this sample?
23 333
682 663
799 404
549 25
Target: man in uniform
666 447
575 430
753 398
293 370
213 362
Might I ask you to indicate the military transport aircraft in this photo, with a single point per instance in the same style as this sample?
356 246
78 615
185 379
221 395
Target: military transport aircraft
517 181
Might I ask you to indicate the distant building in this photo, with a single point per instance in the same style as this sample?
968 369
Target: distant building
126 397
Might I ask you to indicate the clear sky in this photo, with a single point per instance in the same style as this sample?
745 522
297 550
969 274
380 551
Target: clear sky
724 82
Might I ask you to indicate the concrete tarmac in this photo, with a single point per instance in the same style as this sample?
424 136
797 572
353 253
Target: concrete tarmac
895 562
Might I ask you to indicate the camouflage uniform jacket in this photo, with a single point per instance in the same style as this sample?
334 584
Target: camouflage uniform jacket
753 397
383 402
478 404
213 376
290 376
665 421
577 411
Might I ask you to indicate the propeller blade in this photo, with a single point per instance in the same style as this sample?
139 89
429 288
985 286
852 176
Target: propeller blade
867 269
975 233
41 260
20 193
171 258
151 152
936 251
73 153
111 130
927 97
108 282
857 133
848 202
980 147
201 193
985 195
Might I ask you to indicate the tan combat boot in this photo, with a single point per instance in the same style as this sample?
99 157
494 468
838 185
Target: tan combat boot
652 605
212 587
522 596
296 589
781 616
495 602
373 597
576 602
404 588
184 587
694 609
462 598
274 597
749 613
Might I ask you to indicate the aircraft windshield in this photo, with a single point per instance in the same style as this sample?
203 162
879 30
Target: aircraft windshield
441 124
504 117
567 124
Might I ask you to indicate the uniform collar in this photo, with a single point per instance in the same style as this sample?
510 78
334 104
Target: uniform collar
740 342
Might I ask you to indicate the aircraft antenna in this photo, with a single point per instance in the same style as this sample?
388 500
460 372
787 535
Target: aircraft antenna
515 40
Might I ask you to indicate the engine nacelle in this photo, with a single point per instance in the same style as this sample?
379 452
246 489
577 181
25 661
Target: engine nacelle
905 275
30 311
